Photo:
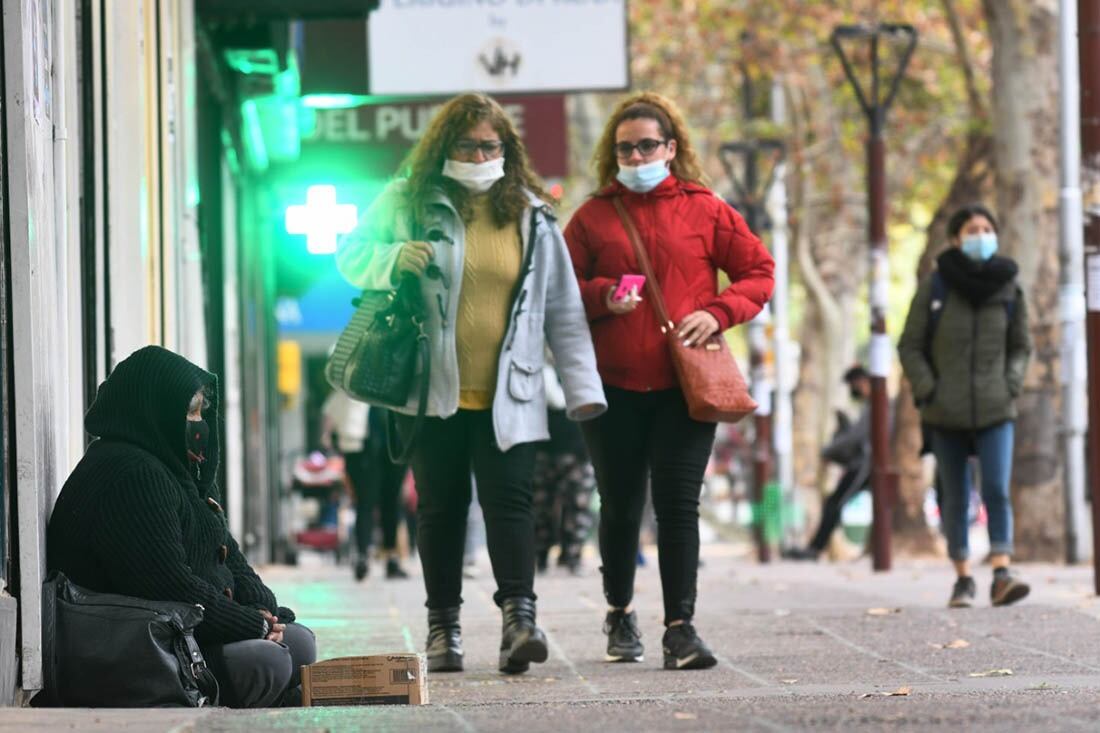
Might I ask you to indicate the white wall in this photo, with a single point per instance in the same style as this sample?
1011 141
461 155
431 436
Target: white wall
148 284
45 284
130 251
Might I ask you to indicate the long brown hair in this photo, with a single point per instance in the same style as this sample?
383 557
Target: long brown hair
651 106
423 168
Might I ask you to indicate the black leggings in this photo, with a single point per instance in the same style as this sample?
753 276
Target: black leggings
445 453
377 483
649 434
846 488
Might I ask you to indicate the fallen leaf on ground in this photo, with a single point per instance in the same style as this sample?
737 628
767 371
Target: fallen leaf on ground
958 644
685 716
788 682
900 692
882 611
993 673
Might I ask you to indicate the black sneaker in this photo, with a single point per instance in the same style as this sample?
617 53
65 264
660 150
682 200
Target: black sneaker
800 553
571 562
962 595
394 571
685 650
1007 589
624 640
361 568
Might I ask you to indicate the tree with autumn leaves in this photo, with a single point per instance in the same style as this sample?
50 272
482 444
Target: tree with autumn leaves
975 120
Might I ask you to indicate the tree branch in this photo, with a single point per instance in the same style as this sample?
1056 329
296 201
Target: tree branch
977 106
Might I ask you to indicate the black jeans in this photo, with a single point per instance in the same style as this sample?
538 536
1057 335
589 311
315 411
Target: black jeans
846 488
377 483
649 434
445 453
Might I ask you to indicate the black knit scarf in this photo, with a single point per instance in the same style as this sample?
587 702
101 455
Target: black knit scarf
975 281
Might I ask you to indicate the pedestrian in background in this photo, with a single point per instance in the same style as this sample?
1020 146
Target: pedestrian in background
470 219
564 484
645 159
850 449
358 431
965 350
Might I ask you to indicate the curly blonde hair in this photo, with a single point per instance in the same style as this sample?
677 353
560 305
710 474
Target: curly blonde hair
423 168
651 106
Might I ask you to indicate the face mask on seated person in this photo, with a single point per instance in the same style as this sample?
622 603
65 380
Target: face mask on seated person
643 178
980 247
476 177
198 439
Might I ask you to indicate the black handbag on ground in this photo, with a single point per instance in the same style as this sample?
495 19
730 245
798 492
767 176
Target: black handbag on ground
106 650
382 353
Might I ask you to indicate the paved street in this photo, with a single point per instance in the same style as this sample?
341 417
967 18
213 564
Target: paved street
817 647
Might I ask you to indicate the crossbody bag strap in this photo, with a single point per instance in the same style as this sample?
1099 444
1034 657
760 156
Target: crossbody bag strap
647 269
401 457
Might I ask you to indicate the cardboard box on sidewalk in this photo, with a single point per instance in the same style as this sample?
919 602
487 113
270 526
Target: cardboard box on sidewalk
381 679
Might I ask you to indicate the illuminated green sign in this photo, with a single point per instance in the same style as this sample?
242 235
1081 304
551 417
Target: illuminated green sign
321 219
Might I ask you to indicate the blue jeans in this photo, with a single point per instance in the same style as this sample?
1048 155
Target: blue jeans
993 447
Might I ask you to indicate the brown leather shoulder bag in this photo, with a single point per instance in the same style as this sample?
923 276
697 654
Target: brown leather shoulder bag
713 386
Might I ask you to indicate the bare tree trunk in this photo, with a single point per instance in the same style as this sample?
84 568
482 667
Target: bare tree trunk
1025 114
830 256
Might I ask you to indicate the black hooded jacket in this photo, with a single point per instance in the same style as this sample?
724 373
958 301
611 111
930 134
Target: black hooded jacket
133 520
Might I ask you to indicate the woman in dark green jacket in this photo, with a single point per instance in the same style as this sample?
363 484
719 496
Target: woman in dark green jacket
965 350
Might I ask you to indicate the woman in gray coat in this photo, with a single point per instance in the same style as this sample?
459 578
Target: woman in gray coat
965 350
471 221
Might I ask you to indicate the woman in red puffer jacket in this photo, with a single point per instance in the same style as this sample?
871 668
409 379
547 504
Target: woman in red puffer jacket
645 159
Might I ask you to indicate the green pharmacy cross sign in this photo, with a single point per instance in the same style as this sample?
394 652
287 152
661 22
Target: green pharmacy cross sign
321 219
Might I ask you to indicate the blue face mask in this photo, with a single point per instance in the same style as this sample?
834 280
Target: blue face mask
980 247
643 178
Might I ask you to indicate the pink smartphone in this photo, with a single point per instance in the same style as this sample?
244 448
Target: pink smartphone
626 284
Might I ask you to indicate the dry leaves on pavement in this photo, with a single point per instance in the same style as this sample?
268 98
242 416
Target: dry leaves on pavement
900 692
993 673
956 644
882 611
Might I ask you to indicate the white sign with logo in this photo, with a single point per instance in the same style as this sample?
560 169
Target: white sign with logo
425 47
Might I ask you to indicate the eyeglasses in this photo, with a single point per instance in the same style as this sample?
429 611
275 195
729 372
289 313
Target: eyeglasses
646 146
491 148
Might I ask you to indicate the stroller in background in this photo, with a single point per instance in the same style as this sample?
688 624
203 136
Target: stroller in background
316 499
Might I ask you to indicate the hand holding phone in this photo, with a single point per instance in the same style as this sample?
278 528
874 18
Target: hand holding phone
629 286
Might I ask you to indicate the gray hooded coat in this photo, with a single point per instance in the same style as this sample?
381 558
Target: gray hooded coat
546 310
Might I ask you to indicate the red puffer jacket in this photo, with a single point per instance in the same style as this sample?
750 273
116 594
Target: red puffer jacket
689 234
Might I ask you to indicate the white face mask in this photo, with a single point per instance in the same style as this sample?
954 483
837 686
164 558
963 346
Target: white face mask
643 178
477 177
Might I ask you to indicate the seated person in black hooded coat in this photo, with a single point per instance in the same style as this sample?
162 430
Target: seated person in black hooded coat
141 516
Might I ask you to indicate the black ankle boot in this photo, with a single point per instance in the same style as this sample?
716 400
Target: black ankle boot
523 642
444 649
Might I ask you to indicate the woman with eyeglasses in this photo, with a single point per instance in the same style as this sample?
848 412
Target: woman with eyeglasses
645 160
470 219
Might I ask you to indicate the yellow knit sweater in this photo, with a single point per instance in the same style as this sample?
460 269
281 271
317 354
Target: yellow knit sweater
493 261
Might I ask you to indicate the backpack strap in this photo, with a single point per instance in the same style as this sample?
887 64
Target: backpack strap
936 302
1010 305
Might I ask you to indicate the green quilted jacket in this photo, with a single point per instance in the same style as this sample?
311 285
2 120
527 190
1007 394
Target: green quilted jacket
970 374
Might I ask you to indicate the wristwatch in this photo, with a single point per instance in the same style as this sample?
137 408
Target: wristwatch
267 629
